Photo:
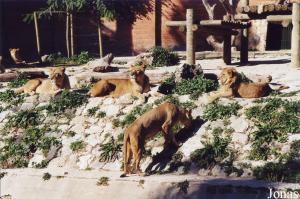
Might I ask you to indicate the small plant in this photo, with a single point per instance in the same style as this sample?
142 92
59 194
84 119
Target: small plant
77 145
163 57
67 100
70 133
82 58
92 111
219 111
2 174
19 81
195 87
58 58
85 87
116 122
110 151
47 176
103 181
119 62
183 186
101 114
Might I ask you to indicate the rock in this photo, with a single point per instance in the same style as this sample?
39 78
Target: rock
125 99
63 120
192 144
39 156
108 101
105 61
145 58
218 171
84 161
292 138
93 140
45 58
181 170
111 110
203 172
239 124
31 99
44 97
4 115
184 98
26 106
240 138
186 71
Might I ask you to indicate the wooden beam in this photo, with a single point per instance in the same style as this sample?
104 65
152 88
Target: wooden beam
294 1
72 34
296 36
176 23
100 38
227 49
190 51
276 18
5 77
37 34
244 46
67 34
219 31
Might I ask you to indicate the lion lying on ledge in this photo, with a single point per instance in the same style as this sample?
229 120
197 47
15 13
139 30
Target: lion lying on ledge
58 80
162 118
136 85
231 85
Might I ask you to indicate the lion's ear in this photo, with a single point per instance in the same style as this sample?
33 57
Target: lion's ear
63 69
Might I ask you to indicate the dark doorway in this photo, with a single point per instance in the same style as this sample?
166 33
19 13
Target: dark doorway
278 37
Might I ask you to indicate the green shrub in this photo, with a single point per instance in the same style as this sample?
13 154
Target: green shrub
24 119
58 58
163 57
214 152
77 145
70 133
19 81
195 87
137 111
219 111
274 118
11 98
67 100
168 86
110 151
17 150
101 114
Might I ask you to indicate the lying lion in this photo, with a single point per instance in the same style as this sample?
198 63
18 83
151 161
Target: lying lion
136 85
58 80
162 118
231 85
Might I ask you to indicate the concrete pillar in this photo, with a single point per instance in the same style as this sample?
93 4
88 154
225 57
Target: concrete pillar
190 52
296 36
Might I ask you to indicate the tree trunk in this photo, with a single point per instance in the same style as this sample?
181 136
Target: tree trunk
100 38
67 34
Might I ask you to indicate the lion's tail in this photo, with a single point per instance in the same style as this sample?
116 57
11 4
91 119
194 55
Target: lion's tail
125 158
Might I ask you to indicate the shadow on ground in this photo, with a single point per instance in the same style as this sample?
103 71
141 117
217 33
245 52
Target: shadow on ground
221 188
160 161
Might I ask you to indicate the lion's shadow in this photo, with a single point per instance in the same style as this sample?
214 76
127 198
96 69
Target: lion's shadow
160 160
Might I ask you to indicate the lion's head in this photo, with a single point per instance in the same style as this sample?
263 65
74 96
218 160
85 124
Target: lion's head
228 76
58 76
138 73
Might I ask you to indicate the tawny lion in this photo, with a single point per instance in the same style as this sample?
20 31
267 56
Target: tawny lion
58 80
161 118
232 86
136 85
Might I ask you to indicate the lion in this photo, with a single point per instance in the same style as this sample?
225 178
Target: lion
16 55
161 118
231 85
137 84
58 80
